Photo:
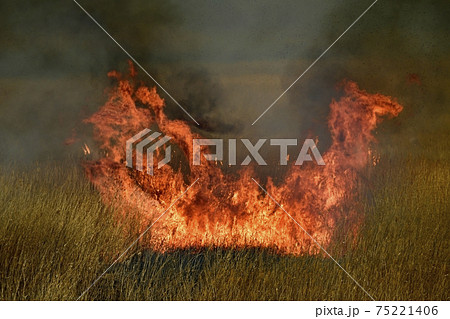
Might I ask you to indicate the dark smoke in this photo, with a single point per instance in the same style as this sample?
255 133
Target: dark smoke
399 48
225 62
54 62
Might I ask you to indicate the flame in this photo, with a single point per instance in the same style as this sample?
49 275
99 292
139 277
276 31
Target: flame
231 210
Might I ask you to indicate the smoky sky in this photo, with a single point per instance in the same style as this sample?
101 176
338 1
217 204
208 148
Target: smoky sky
225 62
400 49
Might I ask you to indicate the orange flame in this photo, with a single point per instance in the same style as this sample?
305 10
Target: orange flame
232 211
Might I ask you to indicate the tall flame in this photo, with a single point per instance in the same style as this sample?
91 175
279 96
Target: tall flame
231 210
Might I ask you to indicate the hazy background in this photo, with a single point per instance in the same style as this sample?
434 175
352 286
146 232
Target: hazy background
226 62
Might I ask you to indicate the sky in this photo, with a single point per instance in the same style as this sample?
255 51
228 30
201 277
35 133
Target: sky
224 61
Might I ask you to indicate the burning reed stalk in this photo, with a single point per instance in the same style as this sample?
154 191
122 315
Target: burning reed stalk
56 237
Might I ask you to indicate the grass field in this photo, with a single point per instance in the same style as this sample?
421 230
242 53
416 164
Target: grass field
56 237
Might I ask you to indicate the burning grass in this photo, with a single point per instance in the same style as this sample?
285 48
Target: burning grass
231 211
56 237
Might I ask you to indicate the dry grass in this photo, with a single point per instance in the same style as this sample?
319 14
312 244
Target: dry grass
56 236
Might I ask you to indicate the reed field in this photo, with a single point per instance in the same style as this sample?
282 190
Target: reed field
57 237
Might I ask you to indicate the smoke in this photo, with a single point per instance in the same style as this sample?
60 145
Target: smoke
54 62
399 48
225 62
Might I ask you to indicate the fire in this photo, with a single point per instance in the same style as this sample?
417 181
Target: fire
230 210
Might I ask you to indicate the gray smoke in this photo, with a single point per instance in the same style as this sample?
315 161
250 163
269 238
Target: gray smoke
400 49
225 62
